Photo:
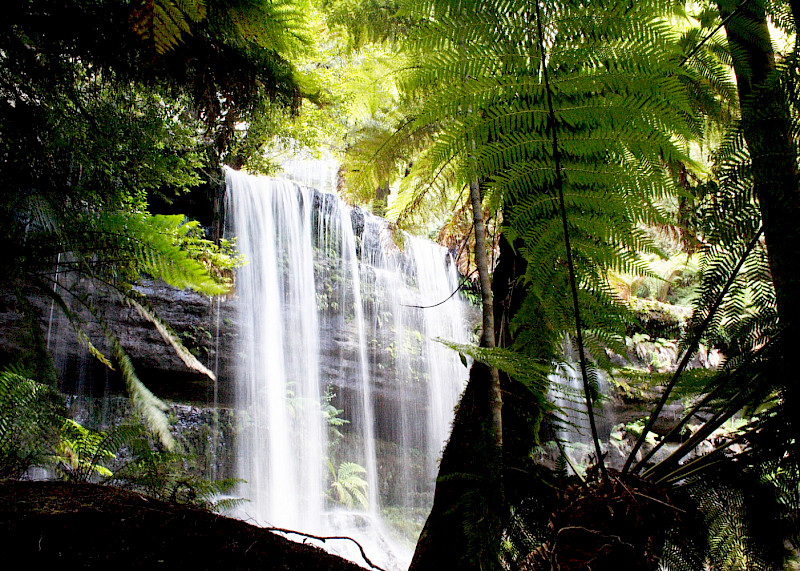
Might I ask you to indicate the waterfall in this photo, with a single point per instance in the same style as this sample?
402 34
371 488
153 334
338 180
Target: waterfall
572 420
345 399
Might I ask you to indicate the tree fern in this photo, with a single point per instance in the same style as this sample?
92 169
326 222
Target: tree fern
30 417
162 22
625 108
615 129
81 453
348 487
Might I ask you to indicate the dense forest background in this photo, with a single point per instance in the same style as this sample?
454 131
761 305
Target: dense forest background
583 159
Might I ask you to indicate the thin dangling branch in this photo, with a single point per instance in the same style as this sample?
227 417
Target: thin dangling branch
559 184
323 539
461 286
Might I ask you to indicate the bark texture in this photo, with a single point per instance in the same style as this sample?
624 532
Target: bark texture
767 131
464 528
494 396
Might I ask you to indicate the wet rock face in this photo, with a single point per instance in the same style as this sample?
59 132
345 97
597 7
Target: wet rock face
206 327
193 317
205 435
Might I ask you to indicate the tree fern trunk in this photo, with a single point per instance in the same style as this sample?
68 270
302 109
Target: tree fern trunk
767 131
463 531
495 397
379 203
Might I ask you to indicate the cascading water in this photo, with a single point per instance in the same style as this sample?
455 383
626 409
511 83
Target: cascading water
345 398
573 429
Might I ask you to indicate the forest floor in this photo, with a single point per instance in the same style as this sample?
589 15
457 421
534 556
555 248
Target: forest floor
92 526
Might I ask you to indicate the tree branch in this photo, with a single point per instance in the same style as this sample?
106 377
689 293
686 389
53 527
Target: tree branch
326 538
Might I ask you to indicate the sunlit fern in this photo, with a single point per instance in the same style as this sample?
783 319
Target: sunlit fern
113 250
348 487
623 114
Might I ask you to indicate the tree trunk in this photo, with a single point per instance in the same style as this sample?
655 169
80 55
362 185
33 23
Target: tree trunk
495 397
463 531
381 200
767 131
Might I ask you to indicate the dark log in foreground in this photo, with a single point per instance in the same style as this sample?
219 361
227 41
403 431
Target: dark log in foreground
66 526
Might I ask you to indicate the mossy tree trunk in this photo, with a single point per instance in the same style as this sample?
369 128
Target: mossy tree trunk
463 531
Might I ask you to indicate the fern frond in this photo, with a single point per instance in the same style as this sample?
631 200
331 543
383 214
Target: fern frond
278 25
163 22
30 420
145 310
743 519
152 409
153 244
533 373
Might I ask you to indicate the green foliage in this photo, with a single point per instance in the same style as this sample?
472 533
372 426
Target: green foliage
331 415
671 281
87 138
146 466
114 250
278 25
532 373
127 456
163 21
373 106
231 55
81 453
626 105
128 104
170 249
29 424
34 432
348 487
747 487
745 523
366 22
473 74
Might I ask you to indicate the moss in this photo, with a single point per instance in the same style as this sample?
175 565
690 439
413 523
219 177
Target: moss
658 319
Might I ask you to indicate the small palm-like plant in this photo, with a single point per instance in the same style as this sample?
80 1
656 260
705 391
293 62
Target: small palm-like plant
81 453
348 487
